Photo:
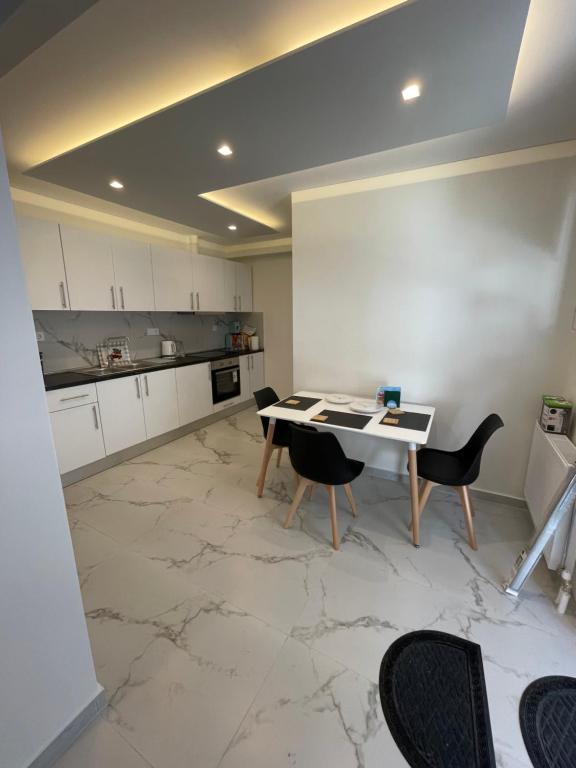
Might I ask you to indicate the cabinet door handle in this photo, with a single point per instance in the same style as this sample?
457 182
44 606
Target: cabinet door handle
146 385
197 300
192 299
122 297
113 297
138 395
75 397
63 296
95 412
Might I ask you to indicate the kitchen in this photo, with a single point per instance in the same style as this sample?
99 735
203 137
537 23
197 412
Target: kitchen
360 217
99 411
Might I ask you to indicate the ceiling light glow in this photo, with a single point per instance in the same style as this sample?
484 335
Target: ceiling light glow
115 184
232 227
225 150
411 92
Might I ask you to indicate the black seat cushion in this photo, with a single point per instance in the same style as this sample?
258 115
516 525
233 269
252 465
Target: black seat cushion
442 467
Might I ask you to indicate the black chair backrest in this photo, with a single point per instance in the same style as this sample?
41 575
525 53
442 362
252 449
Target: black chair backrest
471 453
317 456
264 398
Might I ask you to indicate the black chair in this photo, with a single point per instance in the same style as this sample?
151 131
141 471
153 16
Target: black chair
264 398
456 468
317 457
281 439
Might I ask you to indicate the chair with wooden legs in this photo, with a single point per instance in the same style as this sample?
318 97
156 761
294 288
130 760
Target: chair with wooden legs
281 438
264 398
317 457
457 469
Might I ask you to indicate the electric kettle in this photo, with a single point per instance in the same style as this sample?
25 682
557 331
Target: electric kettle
168 348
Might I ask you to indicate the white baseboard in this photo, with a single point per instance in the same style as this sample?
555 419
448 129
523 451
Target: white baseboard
69 478
479 493
68 736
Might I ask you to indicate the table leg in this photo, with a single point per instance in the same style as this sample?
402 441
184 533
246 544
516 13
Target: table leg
413 472
266 458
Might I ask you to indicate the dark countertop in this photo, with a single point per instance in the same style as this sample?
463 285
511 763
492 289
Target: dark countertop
74 378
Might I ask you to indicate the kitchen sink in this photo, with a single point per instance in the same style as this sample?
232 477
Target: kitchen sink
97 371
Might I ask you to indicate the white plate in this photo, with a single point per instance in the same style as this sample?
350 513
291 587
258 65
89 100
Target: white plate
339 399
366 406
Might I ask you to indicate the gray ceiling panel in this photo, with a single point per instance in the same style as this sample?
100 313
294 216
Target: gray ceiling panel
25 25
334 100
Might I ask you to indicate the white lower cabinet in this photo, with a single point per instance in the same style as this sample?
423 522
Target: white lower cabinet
194 387
160 401
95 420
257 371
122 412
251 375
77 436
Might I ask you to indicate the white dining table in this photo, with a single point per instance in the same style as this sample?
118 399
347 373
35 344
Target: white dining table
412 438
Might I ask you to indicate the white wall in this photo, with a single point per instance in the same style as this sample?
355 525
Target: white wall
456 289
272 283
46 671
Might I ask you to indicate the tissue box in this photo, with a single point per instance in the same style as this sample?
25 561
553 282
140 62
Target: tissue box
555 414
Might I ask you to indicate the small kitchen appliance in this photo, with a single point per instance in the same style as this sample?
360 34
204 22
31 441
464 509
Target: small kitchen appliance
168 348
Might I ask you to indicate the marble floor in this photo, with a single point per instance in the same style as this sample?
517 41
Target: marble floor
223 640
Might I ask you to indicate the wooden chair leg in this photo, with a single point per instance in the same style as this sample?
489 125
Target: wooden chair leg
302 485
468 512
350 497
279 457
332 497
268 448
423 496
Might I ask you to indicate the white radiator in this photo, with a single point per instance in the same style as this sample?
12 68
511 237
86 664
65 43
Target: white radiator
550 459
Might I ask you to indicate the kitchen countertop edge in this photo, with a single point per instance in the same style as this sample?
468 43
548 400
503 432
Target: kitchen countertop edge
179 362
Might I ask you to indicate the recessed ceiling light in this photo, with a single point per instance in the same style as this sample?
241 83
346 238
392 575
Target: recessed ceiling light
225 150
115 184
410 92
233 227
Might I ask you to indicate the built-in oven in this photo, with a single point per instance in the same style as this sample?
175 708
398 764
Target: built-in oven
225 379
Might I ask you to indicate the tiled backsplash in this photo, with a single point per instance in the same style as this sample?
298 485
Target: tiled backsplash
71 337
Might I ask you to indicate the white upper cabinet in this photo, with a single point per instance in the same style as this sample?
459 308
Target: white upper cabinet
41 252
89 268
209 278
239 286
133 275
70 268
173 287
243 287
230 283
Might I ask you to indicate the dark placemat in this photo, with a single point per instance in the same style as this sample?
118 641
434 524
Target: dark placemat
303 403
340 419
408 420
433 695
548 722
